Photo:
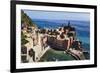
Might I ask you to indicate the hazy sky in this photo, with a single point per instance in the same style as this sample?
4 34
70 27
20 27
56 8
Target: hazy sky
52 15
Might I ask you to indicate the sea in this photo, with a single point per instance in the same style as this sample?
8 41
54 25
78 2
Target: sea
82 34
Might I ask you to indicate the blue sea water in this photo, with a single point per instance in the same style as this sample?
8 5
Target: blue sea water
82 29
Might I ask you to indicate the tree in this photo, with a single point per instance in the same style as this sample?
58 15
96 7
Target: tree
23 40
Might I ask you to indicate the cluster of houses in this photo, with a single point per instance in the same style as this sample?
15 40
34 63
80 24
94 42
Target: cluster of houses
40 40
61 38
35 48
65 36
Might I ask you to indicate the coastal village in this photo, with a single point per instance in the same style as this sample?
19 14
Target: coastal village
35 42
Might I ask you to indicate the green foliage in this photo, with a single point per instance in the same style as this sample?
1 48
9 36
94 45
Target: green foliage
23 40
26 18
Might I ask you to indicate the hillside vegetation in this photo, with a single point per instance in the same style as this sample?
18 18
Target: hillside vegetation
26 18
